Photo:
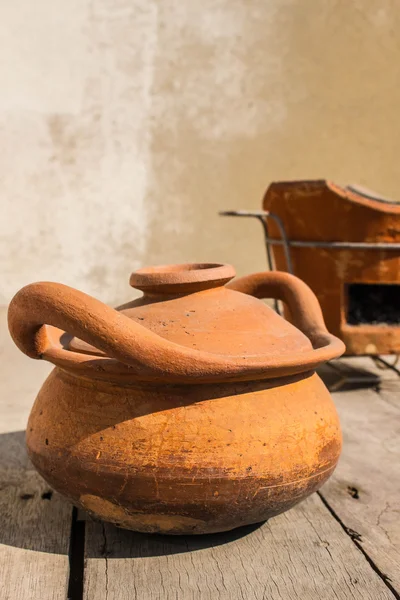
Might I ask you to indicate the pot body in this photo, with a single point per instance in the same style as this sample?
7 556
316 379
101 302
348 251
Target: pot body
181 459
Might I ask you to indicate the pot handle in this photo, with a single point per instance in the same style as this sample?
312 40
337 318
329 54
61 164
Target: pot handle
66 309
146 355
304 307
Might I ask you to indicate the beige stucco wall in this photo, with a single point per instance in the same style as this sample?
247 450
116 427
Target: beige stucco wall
126 125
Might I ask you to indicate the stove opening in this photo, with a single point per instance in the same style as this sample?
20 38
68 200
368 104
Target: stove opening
373 304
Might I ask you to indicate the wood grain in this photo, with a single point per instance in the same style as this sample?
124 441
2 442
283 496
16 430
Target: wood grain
364 491
303 553
34 523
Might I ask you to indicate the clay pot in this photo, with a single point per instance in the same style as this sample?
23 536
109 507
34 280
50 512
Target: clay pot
194 409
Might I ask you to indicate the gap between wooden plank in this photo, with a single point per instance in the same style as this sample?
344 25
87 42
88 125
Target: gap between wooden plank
34 522
364 490
76 555
354 536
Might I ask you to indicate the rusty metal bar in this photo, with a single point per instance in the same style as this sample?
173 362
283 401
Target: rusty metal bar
284 241
263 217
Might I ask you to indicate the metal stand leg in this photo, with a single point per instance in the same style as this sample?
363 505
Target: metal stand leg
349 376
263 216
384 364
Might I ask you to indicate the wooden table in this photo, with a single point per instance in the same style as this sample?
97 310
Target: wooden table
342 543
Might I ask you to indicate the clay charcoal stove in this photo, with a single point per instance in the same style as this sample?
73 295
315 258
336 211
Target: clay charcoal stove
345 243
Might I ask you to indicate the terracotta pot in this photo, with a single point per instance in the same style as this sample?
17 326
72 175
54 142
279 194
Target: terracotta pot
321 212
194 409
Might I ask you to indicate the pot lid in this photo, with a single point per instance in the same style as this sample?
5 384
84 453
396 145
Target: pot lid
192 325
190 306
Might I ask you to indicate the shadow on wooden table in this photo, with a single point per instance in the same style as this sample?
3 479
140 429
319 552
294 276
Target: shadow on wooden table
106 541
34 517
340 376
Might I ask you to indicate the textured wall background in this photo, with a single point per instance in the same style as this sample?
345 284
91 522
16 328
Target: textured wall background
125 125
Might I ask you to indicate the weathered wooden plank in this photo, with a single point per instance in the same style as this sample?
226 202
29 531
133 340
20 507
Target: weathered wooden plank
364 492
34 523
303 553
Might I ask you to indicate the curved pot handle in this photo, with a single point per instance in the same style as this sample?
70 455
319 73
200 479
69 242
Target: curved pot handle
303 304
146 355
72 311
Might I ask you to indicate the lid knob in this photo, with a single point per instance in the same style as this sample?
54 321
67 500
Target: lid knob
181 279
